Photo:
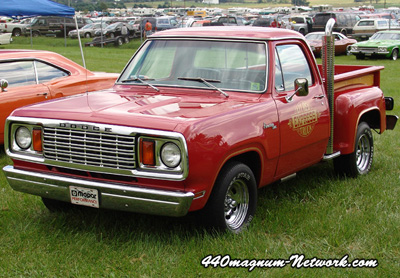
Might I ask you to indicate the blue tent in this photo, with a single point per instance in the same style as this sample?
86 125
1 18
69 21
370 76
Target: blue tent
30 8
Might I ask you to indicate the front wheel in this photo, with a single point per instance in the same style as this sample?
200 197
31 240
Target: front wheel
360 161
233 201
395 54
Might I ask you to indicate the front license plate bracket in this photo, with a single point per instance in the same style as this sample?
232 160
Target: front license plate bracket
84 196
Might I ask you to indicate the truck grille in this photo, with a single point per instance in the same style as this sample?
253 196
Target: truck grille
89 148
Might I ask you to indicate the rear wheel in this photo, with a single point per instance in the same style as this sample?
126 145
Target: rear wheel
88 35
119 41
233 201
16 32
360 161
395 54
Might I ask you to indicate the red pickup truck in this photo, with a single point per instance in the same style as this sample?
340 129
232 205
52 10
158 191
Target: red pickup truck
199 119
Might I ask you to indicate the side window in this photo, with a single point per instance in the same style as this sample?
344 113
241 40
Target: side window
293 65
47 72
18 73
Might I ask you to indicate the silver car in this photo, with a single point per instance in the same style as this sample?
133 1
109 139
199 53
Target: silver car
88 30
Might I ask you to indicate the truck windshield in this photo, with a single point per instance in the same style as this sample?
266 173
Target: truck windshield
237 66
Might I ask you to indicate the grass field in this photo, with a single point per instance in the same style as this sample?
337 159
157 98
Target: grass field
317 214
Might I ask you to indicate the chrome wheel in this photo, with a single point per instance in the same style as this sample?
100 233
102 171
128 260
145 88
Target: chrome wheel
236 204
233 200
363 153
395 54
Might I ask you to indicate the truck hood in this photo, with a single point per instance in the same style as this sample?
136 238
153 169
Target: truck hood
142 108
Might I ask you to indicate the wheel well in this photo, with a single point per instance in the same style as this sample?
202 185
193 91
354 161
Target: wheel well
372 118
252 160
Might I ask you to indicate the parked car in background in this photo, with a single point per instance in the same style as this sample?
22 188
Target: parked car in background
300 23
264 21
34 76
344 21
15 27
232 21
365 28
115 30
54 25
87 31
5 39
166 22
385 44
200 23
342 43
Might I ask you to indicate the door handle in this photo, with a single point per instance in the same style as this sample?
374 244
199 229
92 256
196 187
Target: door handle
43 94
319 97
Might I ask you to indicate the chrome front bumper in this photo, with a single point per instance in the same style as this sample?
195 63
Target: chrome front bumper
112 195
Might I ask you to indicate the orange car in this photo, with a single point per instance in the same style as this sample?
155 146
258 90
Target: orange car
36 75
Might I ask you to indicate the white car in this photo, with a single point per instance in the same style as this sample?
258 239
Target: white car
5 38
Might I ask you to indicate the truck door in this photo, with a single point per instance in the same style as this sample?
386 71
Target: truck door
303 120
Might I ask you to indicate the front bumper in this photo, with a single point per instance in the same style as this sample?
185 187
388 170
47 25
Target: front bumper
111 195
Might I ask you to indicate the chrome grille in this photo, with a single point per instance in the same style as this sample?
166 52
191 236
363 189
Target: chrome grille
89 148
368 49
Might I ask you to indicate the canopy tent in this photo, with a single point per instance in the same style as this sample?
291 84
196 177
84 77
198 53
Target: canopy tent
30 8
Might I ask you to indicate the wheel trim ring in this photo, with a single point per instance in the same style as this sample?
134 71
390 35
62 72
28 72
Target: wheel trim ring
363 153
236 204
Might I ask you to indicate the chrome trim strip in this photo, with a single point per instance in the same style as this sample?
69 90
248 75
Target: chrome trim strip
112 195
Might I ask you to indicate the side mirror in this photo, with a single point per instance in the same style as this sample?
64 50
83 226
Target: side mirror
3 85
301 89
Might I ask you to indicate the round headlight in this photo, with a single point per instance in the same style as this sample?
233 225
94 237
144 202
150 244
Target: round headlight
171 155
382 49
23 137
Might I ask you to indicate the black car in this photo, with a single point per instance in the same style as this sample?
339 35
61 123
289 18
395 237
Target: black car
115 30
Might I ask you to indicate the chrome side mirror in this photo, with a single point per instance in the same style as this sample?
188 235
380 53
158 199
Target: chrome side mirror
3 85
301 89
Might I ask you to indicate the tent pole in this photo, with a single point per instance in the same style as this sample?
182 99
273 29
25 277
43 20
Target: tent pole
80 44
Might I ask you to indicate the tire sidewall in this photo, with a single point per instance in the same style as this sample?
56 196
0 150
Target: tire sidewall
215 205
364 130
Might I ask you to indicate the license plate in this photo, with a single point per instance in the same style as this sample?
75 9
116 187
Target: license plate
84 196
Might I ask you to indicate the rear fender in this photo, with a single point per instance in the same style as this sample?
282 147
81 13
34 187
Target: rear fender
351 108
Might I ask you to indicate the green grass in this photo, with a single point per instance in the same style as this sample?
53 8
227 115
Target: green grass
316 214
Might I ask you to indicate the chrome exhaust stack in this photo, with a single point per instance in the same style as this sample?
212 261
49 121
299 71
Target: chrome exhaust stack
328 72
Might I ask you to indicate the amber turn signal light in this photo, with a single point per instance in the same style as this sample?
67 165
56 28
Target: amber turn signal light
147 152
37 140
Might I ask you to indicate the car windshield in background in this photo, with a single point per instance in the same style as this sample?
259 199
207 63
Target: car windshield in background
385 36
228 65
314 37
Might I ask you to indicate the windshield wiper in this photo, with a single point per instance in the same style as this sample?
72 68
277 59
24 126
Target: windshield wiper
205 81
142 80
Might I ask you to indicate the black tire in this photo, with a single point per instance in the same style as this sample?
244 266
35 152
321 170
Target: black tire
88 35
119 42
348 50
360 56
343 32
16 32
112 35
360 161
35 34
233 201
57 206
395 54
302 31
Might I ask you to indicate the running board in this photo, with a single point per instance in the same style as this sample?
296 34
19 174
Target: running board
330 156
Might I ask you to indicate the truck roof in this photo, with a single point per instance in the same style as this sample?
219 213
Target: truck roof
235 32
